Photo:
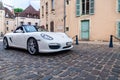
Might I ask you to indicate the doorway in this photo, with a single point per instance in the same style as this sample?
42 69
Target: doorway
85 29
52 26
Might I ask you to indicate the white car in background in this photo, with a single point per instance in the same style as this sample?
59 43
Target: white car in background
29 38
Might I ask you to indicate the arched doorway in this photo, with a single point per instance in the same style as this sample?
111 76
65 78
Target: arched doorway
52 26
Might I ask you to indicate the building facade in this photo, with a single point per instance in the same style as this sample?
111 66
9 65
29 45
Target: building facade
52 16
97 19
9 21
89 19
2 19
26 21
29 16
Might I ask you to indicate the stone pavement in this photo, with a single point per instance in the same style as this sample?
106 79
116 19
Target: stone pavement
1 38
84 62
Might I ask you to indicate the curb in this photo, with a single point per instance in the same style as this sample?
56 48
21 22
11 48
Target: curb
101 43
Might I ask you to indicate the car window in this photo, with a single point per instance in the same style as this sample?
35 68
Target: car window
19 28
30 29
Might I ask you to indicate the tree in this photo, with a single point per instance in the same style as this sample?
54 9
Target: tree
18 10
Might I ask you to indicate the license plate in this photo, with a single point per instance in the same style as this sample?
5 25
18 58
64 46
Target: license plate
69 43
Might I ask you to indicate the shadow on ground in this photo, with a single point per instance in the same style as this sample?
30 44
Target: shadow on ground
39 54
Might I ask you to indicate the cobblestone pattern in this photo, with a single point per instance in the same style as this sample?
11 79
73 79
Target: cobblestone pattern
83 62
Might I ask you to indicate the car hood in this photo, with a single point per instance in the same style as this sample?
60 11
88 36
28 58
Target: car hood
59 36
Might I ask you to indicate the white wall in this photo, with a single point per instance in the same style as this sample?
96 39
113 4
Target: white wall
18 20
2 20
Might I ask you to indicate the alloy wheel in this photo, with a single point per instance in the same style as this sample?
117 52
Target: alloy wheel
5 43
32 46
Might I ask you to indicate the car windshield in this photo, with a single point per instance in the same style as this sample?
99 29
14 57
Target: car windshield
30 28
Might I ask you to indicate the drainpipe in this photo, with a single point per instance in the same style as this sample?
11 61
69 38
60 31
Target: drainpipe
17 20
64 16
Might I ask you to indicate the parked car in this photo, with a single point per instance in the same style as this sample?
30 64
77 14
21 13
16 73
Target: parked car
29 38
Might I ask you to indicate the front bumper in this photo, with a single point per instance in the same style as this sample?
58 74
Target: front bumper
54 47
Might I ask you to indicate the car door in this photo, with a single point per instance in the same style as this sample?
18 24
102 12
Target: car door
18 37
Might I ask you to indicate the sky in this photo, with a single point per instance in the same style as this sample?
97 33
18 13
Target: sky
22 3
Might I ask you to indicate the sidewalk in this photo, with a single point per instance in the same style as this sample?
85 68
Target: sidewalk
1 38
98 42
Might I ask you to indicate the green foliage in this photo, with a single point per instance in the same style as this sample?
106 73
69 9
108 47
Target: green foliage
18 10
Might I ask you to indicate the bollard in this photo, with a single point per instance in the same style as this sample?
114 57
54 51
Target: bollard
111 41
1 34
77 40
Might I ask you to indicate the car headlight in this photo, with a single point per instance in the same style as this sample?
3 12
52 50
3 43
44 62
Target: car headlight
47 37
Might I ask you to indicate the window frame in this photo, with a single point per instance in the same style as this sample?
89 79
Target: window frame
118 29
52 5
118 5
78 8
83 9
92 7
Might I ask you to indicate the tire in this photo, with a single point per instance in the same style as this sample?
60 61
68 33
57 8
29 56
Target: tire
5 43
32 46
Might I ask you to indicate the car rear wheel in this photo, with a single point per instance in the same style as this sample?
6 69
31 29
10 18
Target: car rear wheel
5 43
32 46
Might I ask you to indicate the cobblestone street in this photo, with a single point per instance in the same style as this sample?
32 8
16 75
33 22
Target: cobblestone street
84 62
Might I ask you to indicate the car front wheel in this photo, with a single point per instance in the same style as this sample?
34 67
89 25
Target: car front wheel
32 46
5 43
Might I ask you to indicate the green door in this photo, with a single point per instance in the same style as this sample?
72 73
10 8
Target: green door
85 30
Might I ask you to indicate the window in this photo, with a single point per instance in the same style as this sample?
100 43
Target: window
30 28
7 28
28 15
67 28
47 8
87 6
19 30
84 7
29 23
118 5
52 5
36 24
7 15
77 7
118 30
47 27
46 11
35 16
91 6
42 11
21 23
67 1
7 22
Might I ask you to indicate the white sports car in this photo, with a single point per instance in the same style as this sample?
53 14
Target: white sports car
29 38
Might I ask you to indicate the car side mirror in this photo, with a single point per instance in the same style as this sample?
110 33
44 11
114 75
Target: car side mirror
19 31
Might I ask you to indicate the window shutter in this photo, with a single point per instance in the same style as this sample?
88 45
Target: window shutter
91 6
77 7
118 5
118 30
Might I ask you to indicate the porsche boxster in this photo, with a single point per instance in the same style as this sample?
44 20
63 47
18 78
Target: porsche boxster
36 41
